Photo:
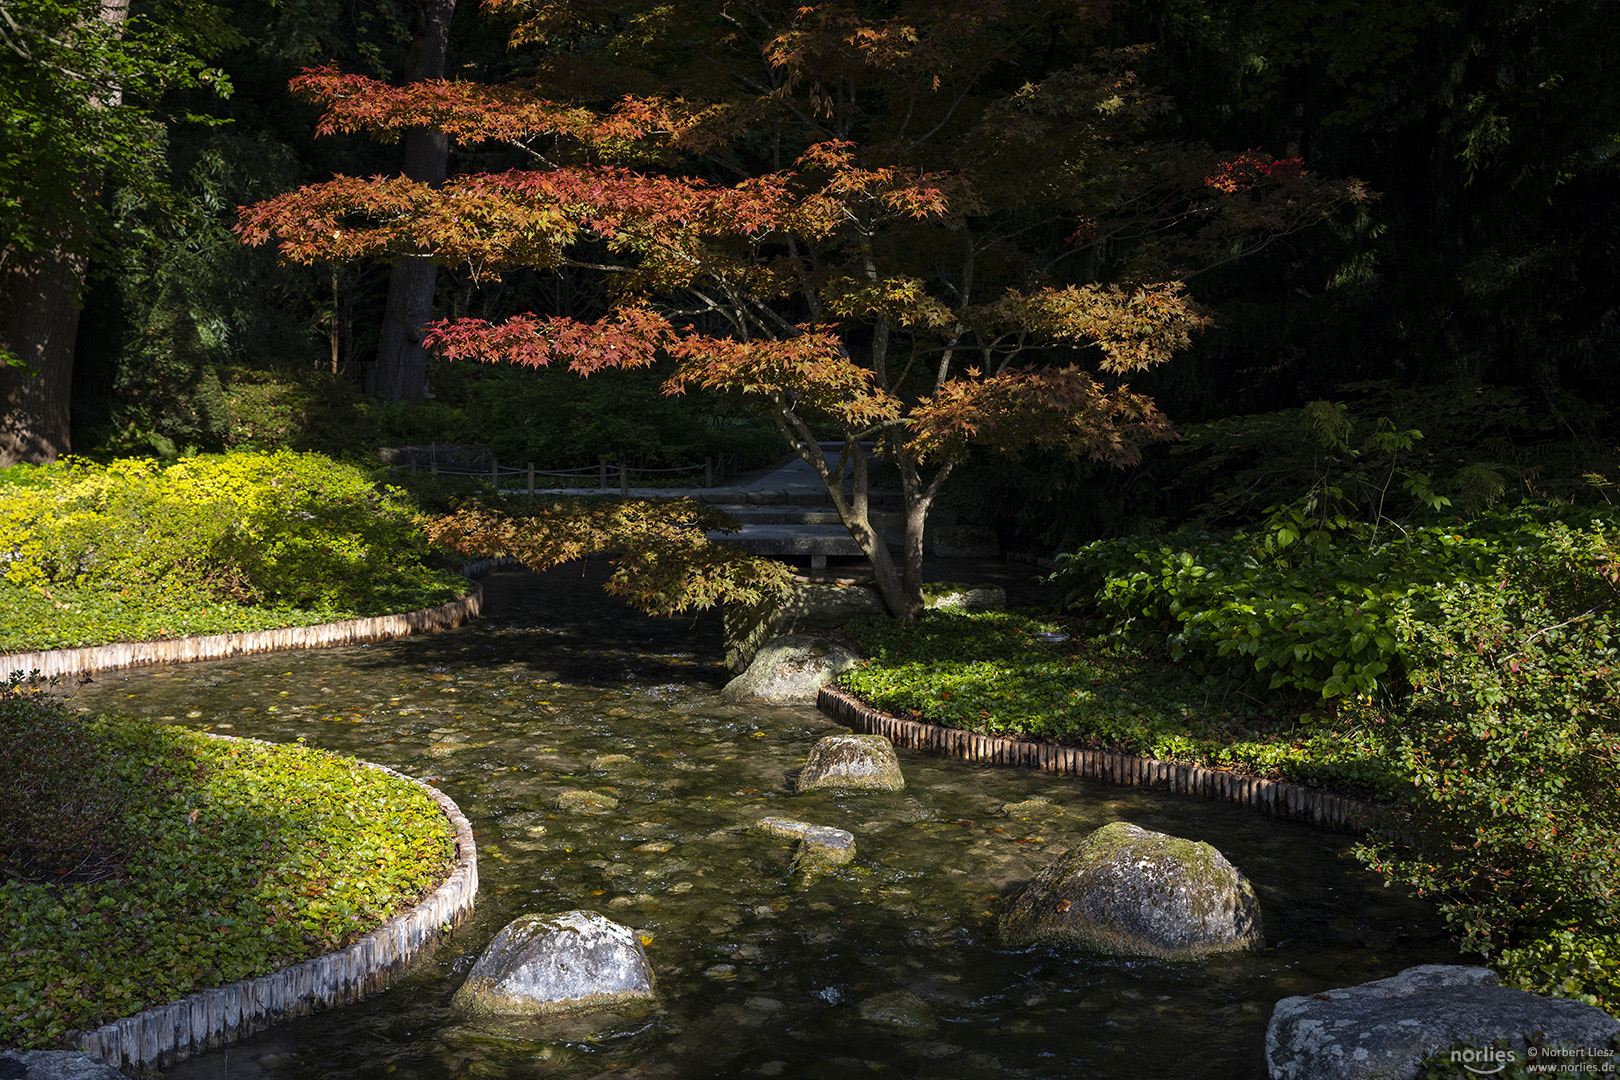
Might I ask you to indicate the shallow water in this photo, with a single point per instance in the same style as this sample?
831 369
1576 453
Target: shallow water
887 965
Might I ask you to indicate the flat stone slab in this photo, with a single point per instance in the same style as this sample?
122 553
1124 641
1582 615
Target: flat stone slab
1382 1030
544 964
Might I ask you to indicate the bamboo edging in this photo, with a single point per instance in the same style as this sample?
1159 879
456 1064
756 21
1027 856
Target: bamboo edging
209 1019
1276 797
55 663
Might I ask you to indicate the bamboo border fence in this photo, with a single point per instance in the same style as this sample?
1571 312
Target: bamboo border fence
1276 797
55 663
209 1019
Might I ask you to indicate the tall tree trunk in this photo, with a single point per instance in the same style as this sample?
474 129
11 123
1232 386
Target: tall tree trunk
39 323
401 373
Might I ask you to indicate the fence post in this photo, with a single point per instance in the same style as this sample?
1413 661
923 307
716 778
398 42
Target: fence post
531 479
494 474
601 472
433 457
708 472
624 481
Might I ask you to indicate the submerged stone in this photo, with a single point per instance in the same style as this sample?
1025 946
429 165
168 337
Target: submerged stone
852 763
1130 892
901 1010
1036 807
542 964
1387 1027
586 802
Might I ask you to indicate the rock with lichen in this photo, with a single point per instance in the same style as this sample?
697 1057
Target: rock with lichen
852 763
544 964
791 670
1131 892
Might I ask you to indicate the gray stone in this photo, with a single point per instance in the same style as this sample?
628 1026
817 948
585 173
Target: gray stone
791 670
852 763
785 827
1131 892
966 542
804 609
1382 1030
55 1065
543 964
955 596
820 847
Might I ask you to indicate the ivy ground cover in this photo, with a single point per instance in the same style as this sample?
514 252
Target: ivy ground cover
992 672
141 862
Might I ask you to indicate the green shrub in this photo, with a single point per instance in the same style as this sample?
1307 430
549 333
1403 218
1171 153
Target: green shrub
278 530
1298 606
1510 737
214 861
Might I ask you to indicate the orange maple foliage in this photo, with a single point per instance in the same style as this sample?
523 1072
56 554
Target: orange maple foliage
889 256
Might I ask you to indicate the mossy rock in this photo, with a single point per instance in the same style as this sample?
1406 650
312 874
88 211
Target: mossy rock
805 608
539 965
792 670
960 596
1126 891
852 763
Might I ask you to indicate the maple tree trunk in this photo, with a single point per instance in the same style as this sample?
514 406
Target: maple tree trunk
401 373
39 323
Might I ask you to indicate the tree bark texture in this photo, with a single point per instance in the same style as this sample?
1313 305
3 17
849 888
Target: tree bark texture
39 323
401 373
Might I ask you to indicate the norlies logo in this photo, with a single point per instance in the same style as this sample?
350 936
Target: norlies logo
1484 1062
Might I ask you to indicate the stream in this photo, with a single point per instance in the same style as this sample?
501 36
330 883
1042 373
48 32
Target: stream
888 966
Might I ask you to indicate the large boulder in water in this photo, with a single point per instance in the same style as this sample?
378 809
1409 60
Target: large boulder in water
804 609
852 763
543 964
1384 1029
791 670
1131 892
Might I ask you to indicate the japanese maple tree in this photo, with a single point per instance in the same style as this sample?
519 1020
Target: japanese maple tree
916 227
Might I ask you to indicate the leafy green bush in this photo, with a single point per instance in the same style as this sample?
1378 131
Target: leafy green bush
214 861
210 536
1299 606
1511 738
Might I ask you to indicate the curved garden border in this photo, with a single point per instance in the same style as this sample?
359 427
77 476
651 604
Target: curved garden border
54 663
1277 797
209 1019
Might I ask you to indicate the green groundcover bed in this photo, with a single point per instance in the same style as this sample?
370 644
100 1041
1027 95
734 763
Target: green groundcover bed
994 672
140 862
139 550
